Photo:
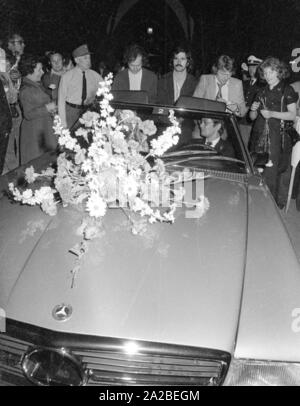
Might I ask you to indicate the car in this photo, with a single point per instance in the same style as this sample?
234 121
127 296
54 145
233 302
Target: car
212 299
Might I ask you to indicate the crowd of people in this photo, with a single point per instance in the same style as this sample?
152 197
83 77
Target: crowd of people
32 92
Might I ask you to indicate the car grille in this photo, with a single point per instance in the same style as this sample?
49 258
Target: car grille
11 353
117 369
111 366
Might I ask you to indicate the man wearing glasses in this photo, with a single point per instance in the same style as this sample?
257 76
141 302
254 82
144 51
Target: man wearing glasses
16 45
221 86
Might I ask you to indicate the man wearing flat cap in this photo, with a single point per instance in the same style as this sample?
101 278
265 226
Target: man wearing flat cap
78 88
251 87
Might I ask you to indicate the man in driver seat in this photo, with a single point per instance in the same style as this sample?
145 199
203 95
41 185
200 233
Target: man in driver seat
213 135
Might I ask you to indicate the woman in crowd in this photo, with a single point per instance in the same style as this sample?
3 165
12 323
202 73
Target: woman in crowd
12 91
36 129
274 105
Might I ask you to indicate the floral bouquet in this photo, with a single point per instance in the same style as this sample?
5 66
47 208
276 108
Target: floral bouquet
106 165
110 163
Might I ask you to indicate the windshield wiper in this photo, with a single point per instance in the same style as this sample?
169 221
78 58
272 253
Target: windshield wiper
218 157
207 150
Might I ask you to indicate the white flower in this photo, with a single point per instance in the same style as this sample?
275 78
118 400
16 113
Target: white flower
148 127
89 118
27 194
44 193
96 206
49 207
30 175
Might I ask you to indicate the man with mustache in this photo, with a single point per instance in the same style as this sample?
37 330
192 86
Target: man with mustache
178 82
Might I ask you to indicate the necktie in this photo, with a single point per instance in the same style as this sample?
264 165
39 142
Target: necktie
219 94
83 97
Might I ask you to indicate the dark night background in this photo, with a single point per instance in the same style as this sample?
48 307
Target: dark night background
235 27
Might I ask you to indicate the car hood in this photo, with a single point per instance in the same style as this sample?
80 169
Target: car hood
178 283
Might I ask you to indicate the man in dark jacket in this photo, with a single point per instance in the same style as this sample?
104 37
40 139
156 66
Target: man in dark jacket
251 88
135 76
5 125
212 134
178 82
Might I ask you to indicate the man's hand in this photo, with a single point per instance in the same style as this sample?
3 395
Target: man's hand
51 107
254 106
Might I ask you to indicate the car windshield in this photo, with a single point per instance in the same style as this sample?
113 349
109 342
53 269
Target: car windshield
209 140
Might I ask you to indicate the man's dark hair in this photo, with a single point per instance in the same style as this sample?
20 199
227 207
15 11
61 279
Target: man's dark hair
217 121
132 52
186 50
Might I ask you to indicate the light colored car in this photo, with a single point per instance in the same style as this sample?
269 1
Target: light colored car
208 300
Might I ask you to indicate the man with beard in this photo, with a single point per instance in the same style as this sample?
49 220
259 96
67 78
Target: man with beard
178 82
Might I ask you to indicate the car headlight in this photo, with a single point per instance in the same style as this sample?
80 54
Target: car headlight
262 373
48 367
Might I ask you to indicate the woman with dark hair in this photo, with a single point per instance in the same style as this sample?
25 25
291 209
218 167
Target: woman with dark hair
36 129
274 106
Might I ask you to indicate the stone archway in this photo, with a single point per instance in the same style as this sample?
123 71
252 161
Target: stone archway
185 19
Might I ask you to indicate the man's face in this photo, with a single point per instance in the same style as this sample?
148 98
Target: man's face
16 45
252 71
56 62
84 62
180 62
208 128
136 65
223 75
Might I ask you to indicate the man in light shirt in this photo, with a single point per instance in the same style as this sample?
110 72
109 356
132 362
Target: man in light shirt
135 76
77 88
221 86
178 82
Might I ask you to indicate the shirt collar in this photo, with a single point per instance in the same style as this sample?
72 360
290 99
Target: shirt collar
214 142
57 73
218 83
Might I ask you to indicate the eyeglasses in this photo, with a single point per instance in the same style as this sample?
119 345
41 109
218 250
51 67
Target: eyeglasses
16 42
